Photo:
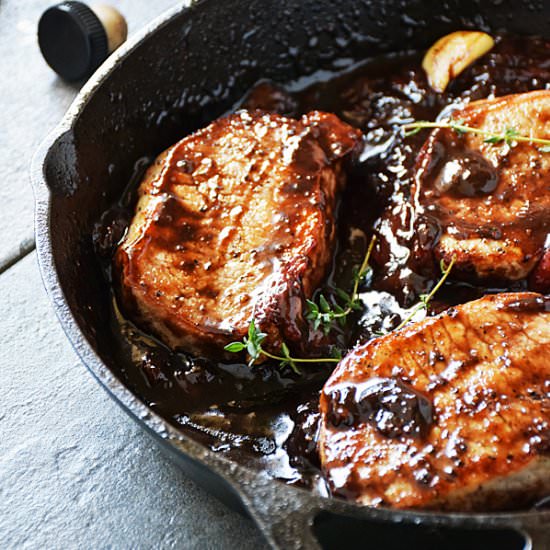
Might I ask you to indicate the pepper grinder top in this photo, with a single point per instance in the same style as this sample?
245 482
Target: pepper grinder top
75 38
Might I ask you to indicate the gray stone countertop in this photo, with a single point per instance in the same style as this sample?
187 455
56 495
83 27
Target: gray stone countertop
75 471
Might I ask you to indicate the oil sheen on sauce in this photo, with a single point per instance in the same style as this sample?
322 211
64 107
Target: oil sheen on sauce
266 417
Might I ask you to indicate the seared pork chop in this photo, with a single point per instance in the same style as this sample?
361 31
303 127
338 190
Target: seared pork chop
233 222
452 412
490 203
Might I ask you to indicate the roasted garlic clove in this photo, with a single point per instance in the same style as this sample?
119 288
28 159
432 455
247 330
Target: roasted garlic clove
450 55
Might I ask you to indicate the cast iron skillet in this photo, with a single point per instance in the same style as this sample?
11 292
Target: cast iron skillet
186 68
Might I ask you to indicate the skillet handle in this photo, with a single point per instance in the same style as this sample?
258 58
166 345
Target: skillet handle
284 516
291 519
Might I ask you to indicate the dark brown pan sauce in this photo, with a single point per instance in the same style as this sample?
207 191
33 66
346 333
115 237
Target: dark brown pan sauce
266 417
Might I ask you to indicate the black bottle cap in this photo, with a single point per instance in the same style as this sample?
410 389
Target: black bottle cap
72 40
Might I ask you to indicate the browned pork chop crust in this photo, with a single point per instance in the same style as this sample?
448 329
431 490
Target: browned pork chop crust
490 203
452 412
233 222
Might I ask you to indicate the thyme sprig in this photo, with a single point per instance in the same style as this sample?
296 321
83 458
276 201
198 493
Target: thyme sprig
509 136
324 315
252 343
425 299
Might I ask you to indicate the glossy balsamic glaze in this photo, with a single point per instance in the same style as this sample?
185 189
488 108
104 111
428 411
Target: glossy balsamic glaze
392 406
267 417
